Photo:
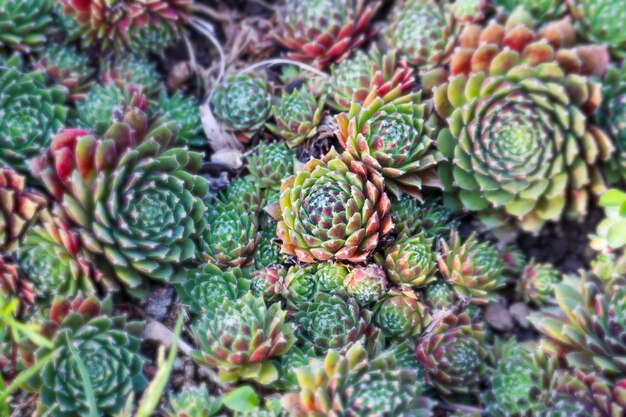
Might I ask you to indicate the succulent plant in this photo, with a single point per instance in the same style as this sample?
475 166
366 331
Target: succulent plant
25 25
101 104
125 26
324 31
514 260
367 284
400 314
242 337
541 10
267 252
54 259
577 394
268 282
243 192
193 402
469 10
355 383
611 116
133 71
330 276
536 283
521 147
389 134
290 362
601 23
184 110
13 283
411 260
440 295
589 330
610 231
135 198
18 208
454 355
300 286
66 67
31 114
333 321
297 115
353 80
332 211
410 216
230 236
207 286
519 383
242 103
422 30
271 163
474 269
107 348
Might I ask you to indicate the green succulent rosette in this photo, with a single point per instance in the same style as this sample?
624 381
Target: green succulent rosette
474 269
356 383
367 284
267 252
290 362
207 286
193 402
454 355
134 71
611 116
66 67
53 258
410 217
243 192
300 286
230 236
87 341
536 283
25 25
440 295
270 164
135 199
30 114
330 276
400 314
519 142
186 111
100 103
241 339
411 261
242 103
268 282
297 115
422 30
587 331
389 134
541 10
333 321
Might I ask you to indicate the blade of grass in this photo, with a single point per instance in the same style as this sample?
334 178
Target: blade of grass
152 395
84 376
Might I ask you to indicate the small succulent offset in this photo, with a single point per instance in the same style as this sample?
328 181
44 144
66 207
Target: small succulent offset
454 355
300 286
193 402
536 283
401 315
611 231
185 111
242 103
333 321
542 10
366 284
474 269
271 163
355 383
88 342
241 339
297 115
331 210
324 31
66 67
600 21
207 286
133 71
134 196
268 282
412 261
